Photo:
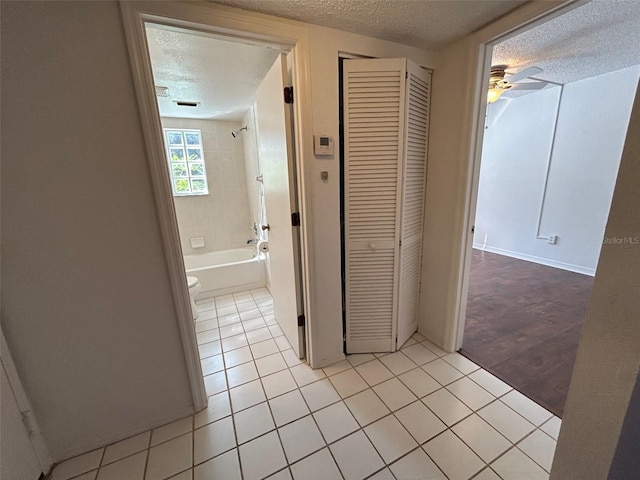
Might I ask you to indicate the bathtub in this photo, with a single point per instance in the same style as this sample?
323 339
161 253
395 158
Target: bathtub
227 271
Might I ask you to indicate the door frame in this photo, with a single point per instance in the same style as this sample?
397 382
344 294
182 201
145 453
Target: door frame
481 50
234 25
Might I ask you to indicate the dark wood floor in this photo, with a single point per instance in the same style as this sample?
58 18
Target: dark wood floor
523 324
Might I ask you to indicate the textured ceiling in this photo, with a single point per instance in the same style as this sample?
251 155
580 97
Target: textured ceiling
222 76
599 37
428 24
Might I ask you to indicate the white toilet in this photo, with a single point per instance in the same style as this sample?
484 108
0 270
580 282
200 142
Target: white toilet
194 287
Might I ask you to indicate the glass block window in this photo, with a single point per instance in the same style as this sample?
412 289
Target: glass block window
186 162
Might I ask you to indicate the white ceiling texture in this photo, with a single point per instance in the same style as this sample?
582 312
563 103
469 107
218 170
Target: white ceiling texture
595 38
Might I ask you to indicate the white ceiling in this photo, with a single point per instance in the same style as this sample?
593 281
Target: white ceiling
222 76
428 24
599 37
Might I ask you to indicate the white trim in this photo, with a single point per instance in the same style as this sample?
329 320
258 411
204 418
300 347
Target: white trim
540 260
35 436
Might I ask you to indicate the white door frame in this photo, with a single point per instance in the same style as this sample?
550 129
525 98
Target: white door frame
239 26
525 18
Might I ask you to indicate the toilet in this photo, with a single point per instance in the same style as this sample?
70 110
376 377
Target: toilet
194 287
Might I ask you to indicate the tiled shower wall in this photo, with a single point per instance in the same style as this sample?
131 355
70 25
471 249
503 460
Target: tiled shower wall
222 217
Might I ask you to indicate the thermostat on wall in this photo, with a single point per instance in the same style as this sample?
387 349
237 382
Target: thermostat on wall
322 145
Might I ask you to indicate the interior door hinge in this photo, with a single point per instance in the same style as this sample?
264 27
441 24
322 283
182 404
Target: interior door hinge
473 229
295 219
301 320
288 94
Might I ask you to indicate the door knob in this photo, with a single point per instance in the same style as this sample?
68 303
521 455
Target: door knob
265 227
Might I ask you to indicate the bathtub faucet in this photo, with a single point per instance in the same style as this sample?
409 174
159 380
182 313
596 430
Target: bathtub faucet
252 241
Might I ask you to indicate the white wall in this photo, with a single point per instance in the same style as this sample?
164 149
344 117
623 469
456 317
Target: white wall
223 216
591 126
87 306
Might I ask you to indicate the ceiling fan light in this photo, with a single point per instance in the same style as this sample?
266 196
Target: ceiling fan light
494 94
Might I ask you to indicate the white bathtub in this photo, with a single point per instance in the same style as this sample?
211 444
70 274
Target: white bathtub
227 271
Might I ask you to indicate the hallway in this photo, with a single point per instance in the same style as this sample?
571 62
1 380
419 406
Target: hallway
416 413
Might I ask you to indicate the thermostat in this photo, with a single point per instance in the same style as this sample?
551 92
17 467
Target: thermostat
322 145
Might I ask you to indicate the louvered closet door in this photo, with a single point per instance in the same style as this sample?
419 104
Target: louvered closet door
414 181
373 130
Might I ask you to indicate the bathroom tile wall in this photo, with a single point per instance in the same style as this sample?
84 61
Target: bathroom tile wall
222 217
252 165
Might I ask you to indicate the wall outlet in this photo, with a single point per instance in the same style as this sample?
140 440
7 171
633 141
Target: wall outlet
197 242
552 239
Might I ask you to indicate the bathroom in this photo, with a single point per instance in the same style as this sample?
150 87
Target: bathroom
205 88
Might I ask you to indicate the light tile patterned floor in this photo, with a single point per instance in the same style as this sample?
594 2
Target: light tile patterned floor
419 413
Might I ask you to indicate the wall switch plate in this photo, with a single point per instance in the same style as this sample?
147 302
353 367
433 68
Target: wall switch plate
323 145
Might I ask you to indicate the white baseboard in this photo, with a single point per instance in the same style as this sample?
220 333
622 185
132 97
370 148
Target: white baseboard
540 260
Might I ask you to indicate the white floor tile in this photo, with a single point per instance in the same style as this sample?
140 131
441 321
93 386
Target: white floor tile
263 349
461 363
237 357
242 297
283 344
418 337
506 421
186 475
231 330
300 438
319 394
419 354
254 314
225 466
237 341
398 363
87 476
319 466
290 357
213 439
419 382
224 300
335 422
374 372
205 325
288 407
217 408
526 407
215 383
126 447
171 430
471 394
367 407
262 457
130 468
212 364
304 374
336 368
453 457
253 422
242 374
270 319
416 465
434 348
390 438
384 474
421 422
170 458
487 474
442 371
259 335
394 394
246 395
540 447
275 330
226 309
483 439
245 306
271 364
209 349
77 465
262 302
261 293
360 358
348 383
208 336
356 456
515 465
490 382
229 319
552 427
283 474
447 407
278 383
207 315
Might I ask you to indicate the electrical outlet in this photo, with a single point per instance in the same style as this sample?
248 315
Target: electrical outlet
552 239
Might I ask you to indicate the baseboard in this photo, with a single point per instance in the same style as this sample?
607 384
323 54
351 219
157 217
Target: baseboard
540 260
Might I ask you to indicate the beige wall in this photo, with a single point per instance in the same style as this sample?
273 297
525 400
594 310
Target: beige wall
87 307
223 216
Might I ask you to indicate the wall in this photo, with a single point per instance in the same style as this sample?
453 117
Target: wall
608 358
222 217
591 127
87 307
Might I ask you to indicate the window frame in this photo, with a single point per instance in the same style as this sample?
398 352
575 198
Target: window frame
184 147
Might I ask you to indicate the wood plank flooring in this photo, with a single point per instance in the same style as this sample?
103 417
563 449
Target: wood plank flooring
523 324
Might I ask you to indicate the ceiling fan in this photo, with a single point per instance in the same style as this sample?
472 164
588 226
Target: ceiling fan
499 83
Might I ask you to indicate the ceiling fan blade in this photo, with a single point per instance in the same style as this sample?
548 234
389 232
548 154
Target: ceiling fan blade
527 72
528 86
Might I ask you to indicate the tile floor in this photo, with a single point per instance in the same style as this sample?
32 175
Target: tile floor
419 413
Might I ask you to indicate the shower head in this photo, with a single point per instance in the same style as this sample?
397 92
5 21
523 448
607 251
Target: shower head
235 133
